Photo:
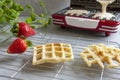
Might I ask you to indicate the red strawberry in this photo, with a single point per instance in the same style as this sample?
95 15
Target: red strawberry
25 30
22 29
18 46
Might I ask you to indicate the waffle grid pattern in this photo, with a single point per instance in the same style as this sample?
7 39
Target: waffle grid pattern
99 54
52 53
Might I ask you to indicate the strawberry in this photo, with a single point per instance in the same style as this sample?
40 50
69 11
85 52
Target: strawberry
25 30
22 29
18 46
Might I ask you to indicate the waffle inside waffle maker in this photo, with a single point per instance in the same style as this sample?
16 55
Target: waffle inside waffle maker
95 15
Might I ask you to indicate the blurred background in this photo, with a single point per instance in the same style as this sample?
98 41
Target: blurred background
52 5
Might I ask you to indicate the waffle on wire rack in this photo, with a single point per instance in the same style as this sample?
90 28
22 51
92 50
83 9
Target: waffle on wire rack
100 54
52 53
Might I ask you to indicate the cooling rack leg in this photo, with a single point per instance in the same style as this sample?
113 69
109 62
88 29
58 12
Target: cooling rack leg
20 69
101 77
58 72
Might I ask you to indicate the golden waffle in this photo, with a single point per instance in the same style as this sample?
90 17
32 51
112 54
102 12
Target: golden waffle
52 53
100 54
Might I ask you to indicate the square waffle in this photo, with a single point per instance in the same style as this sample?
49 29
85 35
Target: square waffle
100 54
52 53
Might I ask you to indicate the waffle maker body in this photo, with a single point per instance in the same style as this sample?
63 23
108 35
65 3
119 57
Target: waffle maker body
86 21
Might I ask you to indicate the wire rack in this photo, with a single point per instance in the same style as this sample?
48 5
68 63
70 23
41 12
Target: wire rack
19 66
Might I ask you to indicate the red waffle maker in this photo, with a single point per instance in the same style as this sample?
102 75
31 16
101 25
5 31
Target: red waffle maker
85 20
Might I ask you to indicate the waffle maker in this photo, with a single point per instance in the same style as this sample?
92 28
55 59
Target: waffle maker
85 20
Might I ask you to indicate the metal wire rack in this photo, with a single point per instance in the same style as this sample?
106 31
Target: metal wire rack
19 66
